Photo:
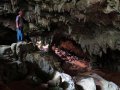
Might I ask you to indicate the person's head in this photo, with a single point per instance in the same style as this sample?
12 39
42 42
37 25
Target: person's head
21 12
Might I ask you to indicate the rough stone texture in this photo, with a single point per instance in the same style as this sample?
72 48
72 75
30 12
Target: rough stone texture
89 82
13 48
104 84
88 22
108 75
16 50
4 49
23 47
38 67
61 78
94 24
5 52
44 66
44 69
10 71
42 12
93 80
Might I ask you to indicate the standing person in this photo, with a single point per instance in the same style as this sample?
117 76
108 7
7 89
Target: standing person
19 25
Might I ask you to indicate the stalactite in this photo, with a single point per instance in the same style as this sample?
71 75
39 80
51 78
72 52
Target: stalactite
69 30
55 7
60 6
37 9
79 41
13 3
74 2
112 5
7 7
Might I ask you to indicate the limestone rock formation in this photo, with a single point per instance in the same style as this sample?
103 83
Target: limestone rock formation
42 66
89 29
89 82
104 84
4 50
60 78
87 21
37 67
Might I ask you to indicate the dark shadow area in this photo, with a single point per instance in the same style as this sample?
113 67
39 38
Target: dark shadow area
109 60
7 35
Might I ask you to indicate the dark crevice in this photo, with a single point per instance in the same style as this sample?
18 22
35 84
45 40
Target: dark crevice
7 35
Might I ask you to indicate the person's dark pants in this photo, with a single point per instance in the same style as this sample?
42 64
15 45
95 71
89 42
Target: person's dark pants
20 34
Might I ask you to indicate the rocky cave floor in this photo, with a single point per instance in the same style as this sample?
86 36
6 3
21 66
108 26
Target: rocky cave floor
26 66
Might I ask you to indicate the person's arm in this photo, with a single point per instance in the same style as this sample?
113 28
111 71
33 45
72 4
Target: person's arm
17 24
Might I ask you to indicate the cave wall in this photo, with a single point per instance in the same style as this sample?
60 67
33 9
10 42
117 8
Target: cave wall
70 12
